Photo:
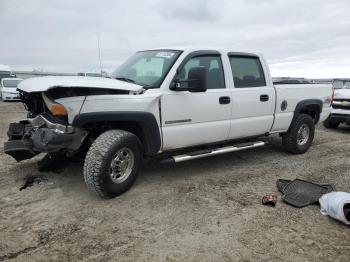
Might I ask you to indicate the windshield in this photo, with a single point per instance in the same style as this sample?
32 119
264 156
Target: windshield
11 83
147 68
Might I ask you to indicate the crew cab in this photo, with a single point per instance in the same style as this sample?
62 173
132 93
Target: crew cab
340 112
173 104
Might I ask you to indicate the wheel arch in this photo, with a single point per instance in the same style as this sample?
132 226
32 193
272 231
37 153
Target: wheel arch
311 107
142 124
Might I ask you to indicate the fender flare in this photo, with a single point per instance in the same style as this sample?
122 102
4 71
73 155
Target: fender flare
304 103
145 120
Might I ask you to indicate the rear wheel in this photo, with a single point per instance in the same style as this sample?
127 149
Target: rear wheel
328 123
300 135
112 163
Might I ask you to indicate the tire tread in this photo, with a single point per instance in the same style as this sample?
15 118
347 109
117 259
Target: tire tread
288 140
94 160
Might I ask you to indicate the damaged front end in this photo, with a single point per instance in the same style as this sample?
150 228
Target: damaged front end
30 137
52 104
46 129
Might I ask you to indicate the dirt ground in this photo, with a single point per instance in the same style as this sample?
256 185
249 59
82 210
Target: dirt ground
203 210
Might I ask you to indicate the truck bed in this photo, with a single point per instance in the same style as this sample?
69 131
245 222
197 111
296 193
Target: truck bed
293 93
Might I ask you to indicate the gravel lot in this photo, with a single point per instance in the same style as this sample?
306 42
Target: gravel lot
202 210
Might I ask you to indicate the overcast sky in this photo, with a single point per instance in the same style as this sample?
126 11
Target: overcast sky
303 38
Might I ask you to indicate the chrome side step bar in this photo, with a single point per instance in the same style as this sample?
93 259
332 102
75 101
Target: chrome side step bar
218 151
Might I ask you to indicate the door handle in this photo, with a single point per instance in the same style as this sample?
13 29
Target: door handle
224 100
264 98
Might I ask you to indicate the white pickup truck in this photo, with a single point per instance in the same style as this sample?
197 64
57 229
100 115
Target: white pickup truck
166 104
340 112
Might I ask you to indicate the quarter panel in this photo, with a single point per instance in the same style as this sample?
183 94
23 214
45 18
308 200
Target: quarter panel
295 93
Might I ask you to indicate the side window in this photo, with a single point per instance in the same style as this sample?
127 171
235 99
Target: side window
247 71
213 66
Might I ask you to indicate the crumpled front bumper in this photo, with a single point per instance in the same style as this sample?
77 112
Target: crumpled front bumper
29 137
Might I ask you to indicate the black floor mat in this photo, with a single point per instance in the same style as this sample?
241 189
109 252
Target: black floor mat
281 183
300 193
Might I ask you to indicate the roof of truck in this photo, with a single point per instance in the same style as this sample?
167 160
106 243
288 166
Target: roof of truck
197 48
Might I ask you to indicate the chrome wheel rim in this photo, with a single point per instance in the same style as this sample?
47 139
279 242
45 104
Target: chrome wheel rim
122 165
303 134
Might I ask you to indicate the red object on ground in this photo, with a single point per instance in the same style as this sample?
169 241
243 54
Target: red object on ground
269 199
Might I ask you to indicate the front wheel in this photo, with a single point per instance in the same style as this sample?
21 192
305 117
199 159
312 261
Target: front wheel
300 135
112 163
328 123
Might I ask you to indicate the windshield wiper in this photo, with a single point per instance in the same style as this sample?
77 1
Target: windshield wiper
125 79
134 82
150 87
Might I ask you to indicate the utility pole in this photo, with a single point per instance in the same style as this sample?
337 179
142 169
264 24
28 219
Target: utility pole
99 51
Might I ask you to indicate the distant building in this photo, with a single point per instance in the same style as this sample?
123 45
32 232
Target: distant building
36 73
94 74
29 74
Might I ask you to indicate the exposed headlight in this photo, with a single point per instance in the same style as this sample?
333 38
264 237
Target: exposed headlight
55 108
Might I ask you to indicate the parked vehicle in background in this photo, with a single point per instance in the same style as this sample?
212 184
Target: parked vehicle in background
340 112
6 72
290 80
340 83
8 89
93 74
90 74
164 104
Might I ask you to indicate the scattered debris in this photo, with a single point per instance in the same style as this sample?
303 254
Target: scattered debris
337 206
34 180
301 193
44 236
269 200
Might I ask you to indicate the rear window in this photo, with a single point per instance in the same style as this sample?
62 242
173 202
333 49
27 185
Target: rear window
247 71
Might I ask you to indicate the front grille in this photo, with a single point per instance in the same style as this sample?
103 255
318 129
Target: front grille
339 106
341 99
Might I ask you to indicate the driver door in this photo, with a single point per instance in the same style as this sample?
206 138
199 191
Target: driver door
196 118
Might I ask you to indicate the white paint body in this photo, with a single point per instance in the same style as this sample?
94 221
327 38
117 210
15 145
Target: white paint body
208 121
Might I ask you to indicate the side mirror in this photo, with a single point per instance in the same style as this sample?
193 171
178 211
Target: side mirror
196 82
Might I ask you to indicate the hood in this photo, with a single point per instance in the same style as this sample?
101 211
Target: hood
342 93
40 84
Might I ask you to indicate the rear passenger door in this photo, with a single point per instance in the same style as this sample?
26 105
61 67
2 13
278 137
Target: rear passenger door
252 97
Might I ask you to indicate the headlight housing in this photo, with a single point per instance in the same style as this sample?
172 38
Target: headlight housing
55 108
